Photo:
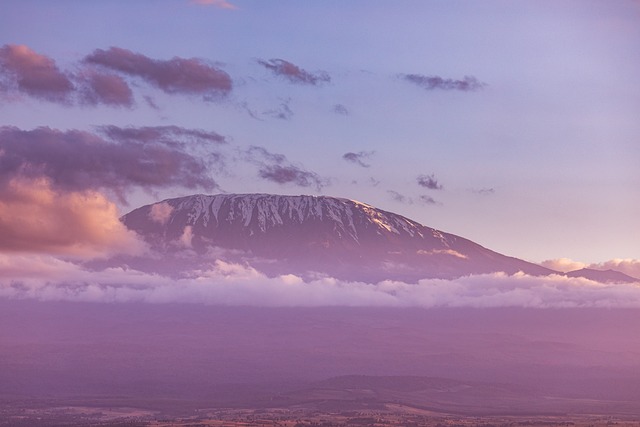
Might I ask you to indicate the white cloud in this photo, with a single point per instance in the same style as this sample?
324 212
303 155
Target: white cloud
235 284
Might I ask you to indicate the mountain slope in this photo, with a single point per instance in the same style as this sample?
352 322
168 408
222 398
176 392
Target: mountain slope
603 276
311 235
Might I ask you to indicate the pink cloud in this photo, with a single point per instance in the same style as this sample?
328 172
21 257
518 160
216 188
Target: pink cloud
176 75
107 89
563 264
34 74
225 283
161 212
34 217
222 4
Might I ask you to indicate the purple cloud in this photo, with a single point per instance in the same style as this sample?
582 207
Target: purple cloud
276 168
107 89
468 83
429 181
428 200
293 73
359 158
36 75
77 160
174 136
176 75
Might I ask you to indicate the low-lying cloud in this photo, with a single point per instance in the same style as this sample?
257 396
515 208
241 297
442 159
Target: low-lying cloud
224 283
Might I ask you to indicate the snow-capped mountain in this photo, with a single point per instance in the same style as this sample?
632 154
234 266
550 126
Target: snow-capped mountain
311 236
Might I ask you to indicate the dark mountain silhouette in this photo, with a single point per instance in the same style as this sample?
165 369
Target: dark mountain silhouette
311 236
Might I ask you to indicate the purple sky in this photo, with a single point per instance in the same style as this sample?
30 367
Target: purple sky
513 124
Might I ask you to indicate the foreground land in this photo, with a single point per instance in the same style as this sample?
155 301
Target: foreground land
391 415
77 364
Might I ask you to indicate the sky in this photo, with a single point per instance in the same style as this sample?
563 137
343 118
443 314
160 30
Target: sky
513 124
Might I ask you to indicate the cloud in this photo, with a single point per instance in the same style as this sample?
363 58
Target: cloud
174 136
359 158
563 264
221 4
160 212
340 109
428 200
33 74
429 181
104 88
293 73
35 217
400 198
468 83
222 283
484 191
627 266
177 75
78 161
276 168
283 112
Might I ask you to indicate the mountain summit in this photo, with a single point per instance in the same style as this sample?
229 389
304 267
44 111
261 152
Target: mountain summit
312 236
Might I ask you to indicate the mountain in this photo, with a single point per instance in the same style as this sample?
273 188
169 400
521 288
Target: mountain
603 276
311 236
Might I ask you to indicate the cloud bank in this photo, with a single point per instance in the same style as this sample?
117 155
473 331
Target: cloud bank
77 160
50 279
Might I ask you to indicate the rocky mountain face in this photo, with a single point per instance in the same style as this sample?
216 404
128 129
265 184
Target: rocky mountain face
311 236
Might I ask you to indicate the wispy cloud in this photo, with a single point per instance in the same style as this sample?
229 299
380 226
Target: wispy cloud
294 73
468 83
177 75
429 181
399 197
340 109
221 4
282 112
277 168
359 158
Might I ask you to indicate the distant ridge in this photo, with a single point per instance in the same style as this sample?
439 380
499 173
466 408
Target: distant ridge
312 236
603 276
